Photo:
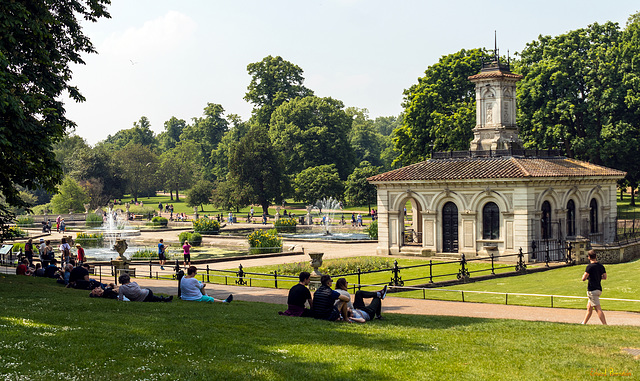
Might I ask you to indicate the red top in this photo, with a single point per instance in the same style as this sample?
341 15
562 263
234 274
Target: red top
81 256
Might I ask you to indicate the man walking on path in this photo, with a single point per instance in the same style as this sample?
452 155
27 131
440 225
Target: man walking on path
594 272
162 253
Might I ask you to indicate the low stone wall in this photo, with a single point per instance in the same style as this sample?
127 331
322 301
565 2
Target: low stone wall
616 254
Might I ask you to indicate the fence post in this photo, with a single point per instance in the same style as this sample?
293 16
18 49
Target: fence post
207 273
430 271
493 272
240 281
396 280
463 273
359 286
521 267
546 256
569 249
275 277
150 269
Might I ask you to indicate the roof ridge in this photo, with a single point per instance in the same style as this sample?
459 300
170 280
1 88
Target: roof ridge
522 168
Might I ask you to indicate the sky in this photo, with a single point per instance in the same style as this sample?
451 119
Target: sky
164 58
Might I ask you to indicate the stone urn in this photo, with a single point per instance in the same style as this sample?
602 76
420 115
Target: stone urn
120 247
316 261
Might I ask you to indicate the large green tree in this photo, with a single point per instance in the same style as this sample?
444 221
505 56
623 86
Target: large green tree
358 190
313 131
39 41
207 131
171 135
140 134
366 141
256 170
139 164
220 155
179 166
71 197
317 183
440 109
273 82
570 90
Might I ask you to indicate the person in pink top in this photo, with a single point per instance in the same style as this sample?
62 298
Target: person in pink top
187 253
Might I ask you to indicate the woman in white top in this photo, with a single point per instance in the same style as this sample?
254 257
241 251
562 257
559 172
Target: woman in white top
341 287
192 289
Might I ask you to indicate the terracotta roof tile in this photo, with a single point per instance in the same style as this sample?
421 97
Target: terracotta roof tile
495 74
494 168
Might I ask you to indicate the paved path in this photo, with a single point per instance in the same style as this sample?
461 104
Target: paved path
415 306
390 305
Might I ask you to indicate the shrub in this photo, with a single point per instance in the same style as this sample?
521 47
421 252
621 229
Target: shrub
90 240
195 239
93 220
262 241
145 254
206 226
159 221
372 230
286 225
15 232
24 220
336 267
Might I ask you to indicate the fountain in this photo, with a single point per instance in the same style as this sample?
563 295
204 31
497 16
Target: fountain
115 227
326 210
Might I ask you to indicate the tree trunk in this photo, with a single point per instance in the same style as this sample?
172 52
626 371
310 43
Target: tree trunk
265 207
633 196
177 195
170 194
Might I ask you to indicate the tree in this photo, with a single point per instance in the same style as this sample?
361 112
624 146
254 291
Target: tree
140 134
312 131
220 155
70 197
256 170
66 149
358 190
229 196
316 183
39 41
96 168
139 165
570 90
440 109
171 134
273 82
367 143
200 194
207 131
180 165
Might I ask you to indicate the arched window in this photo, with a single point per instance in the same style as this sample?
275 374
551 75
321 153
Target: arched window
490 221
571 218
545 221
593 215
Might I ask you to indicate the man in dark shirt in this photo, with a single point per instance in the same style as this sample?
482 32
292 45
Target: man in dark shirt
51 270
324 301
298 296
594 272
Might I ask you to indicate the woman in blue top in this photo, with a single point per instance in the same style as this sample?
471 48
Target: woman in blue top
192 289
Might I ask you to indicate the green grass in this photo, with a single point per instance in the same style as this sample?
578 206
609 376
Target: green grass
622 283
48 332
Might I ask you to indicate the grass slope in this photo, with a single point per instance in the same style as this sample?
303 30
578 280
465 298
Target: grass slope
48 332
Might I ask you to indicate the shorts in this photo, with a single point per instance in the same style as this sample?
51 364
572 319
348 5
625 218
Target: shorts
162 257
187 257
594 297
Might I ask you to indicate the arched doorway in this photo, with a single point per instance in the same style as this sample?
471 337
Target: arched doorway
450 228
412 223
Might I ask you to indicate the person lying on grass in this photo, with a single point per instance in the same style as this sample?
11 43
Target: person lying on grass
136 294
109 292
193 290
361 312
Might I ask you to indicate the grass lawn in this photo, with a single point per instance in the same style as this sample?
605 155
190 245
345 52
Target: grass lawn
622 283
48 332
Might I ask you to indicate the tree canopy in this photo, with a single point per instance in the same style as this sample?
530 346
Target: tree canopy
38 43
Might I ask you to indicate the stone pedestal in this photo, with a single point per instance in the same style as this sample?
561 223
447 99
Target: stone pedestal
581 247
316 261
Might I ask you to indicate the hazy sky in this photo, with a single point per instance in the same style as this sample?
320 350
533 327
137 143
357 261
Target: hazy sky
161 58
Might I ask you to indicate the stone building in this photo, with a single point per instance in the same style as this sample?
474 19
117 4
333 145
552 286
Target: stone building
497 197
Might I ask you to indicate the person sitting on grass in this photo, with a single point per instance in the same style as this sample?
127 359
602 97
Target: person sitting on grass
298 296
52 269
324 301
23 268
39 270
193 290
342 306
79 279
136 294
63 277
361 312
